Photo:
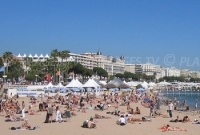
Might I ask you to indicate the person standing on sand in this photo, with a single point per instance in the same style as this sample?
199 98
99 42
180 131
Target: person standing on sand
151 106
50 113
23 109
171 106
196 104
116 108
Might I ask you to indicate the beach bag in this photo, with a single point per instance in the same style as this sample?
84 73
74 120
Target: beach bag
13 128
85 124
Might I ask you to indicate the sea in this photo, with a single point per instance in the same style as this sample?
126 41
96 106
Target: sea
190 96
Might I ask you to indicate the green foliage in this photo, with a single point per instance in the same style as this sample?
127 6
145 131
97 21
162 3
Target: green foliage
87 72
78 69
136 77
30 77
120 75
195 80
15 69
173 79
138 86
100 72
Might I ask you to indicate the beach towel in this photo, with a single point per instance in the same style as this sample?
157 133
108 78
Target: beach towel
9 120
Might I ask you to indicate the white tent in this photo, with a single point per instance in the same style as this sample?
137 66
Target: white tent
60 85
103 82
74 83
132 84
124 82
41 56
49 85
152 84
164 83
46 56
81 85
145 85
35 56
19 55
91 83
24 56
30 56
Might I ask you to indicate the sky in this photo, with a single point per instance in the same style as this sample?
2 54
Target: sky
164 32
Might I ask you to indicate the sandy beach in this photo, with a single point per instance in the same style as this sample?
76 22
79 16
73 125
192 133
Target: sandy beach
104 126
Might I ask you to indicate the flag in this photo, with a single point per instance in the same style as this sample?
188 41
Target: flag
58 72
48 77
2 69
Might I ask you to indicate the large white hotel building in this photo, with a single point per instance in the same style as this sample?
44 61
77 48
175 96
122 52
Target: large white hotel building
89 60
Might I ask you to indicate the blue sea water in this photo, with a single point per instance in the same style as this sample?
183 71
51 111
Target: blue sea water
191 97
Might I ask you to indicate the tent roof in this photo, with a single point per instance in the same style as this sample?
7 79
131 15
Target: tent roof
30 56
123 86
24 56
19 55
133 84
46 56
81 85
50 85
41 56
111 86
164 83
74 83
35 56
60 85
91 83
116 82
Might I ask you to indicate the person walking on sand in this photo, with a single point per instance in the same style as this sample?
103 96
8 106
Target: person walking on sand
23 109
151 106
171 106
196 104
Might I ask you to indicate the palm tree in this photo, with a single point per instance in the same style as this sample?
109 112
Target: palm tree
64 54
28 62
54 54
15 69
7 56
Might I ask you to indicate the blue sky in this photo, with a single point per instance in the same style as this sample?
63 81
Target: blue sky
141 30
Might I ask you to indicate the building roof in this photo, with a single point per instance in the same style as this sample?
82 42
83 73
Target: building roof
99 53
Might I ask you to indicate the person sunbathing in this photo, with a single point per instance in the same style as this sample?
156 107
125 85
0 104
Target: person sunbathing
170 128
33 112
25 126
97 116
121 121
186 119
132 120
137 111
91 124
13 119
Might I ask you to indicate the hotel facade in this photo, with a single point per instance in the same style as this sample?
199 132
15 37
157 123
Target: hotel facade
88 60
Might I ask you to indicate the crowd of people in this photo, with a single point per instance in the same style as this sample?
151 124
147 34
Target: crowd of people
73 103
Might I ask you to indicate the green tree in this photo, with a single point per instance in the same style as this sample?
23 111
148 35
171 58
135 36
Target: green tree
54 54
63 54
15 70
120 75
30 77
7 57
27 63
100 72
